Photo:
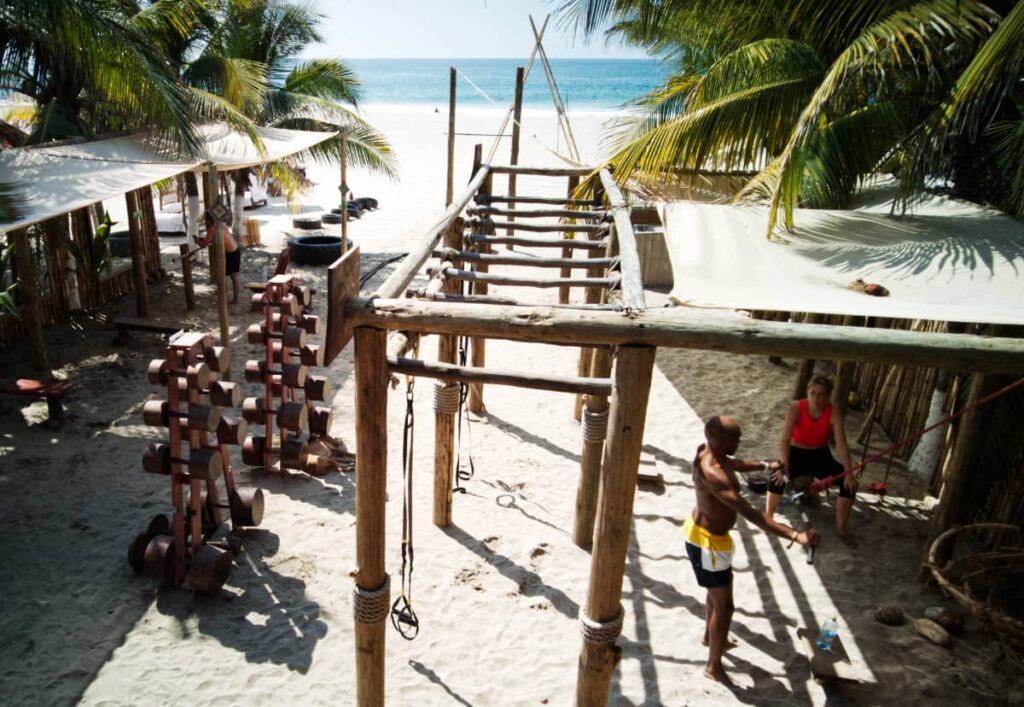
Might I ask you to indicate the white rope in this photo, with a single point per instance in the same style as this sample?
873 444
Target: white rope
371 606
602 633
446 398
595 425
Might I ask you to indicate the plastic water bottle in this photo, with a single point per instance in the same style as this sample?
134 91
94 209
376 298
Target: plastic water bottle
828 632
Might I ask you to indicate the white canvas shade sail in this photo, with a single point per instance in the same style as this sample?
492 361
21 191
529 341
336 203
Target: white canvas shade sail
50 181
949 261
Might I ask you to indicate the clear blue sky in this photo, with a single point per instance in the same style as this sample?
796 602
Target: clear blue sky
390 29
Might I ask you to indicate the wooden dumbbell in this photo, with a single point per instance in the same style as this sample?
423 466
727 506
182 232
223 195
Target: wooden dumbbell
320 421
158 560
159 525
293 375
195 376
303 294
209 568
317 387
231 431
222 393
246 507
293 336
199 417
289 305
202 464
218 358
311 323
310 354
293 452
290 416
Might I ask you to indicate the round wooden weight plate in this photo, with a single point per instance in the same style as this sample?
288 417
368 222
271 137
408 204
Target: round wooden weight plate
247 507
209 569
158 561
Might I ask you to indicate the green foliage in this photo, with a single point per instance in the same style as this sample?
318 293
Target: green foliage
91 264
816 96
8 285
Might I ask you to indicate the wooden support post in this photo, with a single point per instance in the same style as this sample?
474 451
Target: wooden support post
28 288
627 417
343 188
450 188
563 292
844 379
478 345
590 459
444 422
806 369
217 265
138 254
517 117
186 276
371 492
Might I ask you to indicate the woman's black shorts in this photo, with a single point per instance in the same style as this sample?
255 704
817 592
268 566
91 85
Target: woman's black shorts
818 463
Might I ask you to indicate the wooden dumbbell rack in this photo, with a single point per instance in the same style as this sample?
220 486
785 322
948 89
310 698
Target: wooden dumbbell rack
179 549
284 371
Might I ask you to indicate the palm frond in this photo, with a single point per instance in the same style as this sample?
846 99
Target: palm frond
324 78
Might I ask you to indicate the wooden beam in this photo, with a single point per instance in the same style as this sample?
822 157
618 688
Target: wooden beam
541 171
549 227
444 423
371 492
138 253
186 276
633 370
217 260
506 301
469 374
524 260
517 117
450 180
554 201
687 329
629 266
538 242
406 271
467 275
590 458
28 288
539 213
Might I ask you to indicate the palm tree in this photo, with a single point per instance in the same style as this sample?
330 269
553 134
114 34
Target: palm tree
806 99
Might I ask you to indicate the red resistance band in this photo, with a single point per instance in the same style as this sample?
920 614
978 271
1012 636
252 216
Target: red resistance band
822 484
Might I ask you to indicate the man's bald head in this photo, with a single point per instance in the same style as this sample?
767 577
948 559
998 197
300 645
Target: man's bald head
722 433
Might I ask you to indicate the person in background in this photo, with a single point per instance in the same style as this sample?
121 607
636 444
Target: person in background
708 544
805 452
232 253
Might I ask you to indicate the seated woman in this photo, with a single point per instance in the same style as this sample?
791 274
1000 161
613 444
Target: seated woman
805 451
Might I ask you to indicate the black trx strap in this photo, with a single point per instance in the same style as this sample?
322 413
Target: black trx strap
461 473
403 618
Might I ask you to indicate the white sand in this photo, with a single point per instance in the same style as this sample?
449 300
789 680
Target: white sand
498 593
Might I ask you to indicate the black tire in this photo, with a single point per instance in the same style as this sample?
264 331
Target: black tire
314 250
331 218
307 223
120 244
336 211
366 202
353 210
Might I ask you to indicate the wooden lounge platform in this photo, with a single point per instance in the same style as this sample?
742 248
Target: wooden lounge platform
53 391
126 324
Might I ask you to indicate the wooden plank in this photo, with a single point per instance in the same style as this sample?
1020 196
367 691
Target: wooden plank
539 213
454 274
342 283
554 201
629 266
548 227
539 242
523 260
687 329
541 171
470 374
506 301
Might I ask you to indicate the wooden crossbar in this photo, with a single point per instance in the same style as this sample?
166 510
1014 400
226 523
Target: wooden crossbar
539 242
543 282
507 301
507 258
539 200
547 227
469 374
539 213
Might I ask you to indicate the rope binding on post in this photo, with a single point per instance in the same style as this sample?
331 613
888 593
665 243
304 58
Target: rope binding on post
446 398
595 425
370 606
601 633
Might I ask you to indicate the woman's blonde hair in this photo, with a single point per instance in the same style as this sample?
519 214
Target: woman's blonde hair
824 381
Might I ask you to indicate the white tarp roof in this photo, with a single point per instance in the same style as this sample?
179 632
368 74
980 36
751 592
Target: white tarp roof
949 261
50 181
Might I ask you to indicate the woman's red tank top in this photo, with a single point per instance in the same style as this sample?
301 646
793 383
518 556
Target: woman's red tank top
808 432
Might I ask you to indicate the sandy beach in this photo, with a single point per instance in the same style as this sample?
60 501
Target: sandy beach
499 592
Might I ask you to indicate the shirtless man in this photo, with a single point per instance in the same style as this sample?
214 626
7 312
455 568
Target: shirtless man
708 544
232 254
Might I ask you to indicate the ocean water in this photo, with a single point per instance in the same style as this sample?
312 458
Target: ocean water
591 85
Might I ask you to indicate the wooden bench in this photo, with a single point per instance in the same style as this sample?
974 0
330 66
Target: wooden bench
126 324
53 391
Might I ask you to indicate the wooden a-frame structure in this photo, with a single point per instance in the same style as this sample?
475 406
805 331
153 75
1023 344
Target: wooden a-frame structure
613 316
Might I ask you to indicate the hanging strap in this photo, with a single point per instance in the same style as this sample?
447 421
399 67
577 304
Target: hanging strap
462 473
403 618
